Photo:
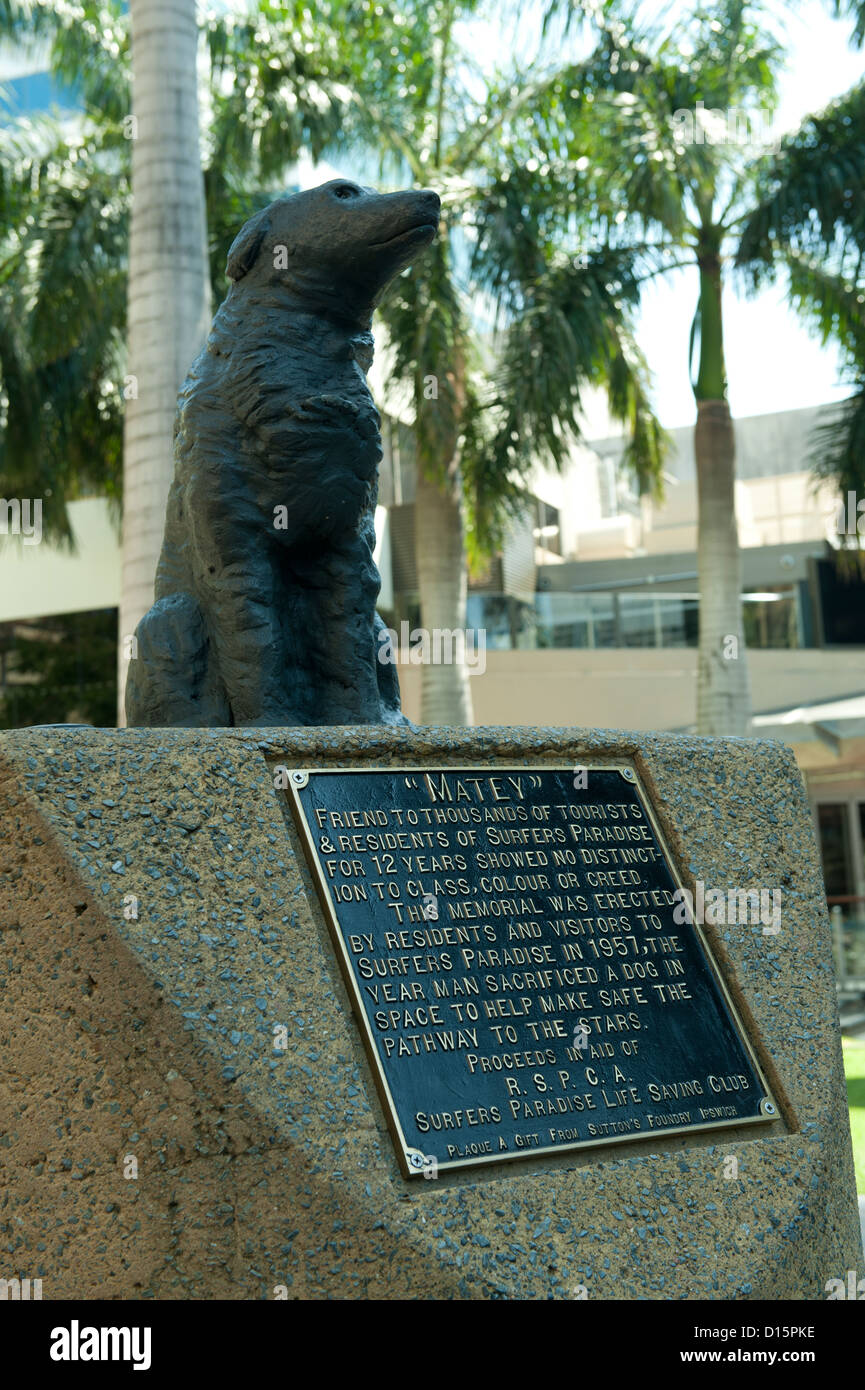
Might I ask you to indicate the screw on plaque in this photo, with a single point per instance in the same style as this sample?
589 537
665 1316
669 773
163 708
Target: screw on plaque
416 1159
628 773
768 1107
299 779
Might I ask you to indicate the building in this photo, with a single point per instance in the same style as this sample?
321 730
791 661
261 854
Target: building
591 618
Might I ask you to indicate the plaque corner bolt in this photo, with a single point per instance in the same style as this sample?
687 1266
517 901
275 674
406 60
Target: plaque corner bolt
768 1107
415 1159
628 773
298 779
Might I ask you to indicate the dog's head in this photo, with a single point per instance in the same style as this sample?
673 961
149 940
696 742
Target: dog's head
336 246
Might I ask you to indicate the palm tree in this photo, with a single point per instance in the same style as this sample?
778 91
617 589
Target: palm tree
809 223
64 260
165 276
510 223
856 10
63 234
670 112
403 95
169 285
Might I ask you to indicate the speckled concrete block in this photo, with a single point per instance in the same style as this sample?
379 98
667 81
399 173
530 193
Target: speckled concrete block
145 1043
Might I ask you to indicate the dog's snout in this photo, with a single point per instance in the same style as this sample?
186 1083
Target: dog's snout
431 199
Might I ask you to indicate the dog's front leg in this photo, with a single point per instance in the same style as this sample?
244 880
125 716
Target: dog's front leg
235 574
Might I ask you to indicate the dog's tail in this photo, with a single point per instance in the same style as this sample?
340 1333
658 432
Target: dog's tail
172 676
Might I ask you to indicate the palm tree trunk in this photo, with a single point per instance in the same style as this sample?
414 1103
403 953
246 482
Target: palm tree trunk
169 288
443 582
723 695
723 698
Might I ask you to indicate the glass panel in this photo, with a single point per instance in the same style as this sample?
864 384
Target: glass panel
835 849
848 943
771 619
623 618
861 811
507 621
576 620
638 618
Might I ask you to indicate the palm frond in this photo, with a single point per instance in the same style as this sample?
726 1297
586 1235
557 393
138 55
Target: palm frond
830 304
62 312
855 10
809 191
88 44
426 322
837 453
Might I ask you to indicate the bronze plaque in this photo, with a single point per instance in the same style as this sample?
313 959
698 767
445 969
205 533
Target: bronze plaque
525 970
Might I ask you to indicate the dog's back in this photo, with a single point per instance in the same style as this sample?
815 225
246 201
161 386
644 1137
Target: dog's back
266 587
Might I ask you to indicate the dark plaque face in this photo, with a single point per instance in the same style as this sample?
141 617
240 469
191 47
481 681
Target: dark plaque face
522 961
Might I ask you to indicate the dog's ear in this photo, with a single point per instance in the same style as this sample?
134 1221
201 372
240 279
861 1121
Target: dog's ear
246 246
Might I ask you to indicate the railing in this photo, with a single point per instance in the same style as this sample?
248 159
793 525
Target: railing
847 916
629 616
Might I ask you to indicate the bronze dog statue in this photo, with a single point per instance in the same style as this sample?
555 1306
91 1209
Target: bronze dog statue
266 586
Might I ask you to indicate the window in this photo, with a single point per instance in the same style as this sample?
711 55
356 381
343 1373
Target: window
833 826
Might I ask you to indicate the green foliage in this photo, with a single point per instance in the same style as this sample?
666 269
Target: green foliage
565 184
68 663
656 130
88 44
855 10
854 1070
278 82
62 317
809 193
401 90
492 312
63 246
832 306
809 225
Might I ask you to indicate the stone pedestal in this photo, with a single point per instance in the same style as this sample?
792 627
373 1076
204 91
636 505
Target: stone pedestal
159 929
